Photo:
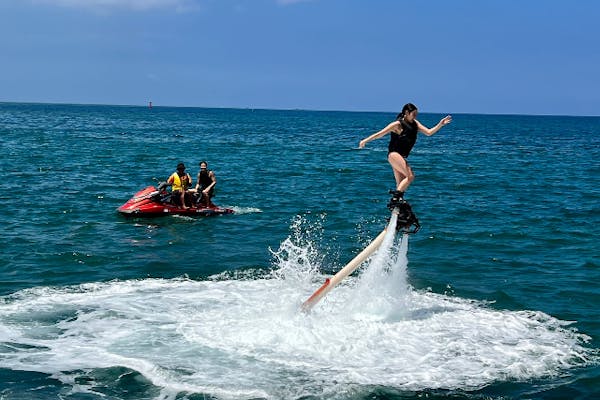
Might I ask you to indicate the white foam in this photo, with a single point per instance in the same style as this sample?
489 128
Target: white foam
245 210
243 338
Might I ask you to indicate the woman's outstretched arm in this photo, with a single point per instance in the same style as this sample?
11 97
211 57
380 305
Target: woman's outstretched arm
430 131
379 134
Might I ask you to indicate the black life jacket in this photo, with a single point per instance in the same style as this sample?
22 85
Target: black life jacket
205 180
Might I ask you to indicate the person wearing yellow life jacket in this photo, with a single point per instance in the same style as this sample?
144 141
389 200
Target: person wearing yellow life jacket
179 181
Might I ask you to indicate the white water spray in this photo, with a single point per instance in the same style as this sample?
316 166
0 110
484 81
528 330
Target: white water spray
382 290
244 338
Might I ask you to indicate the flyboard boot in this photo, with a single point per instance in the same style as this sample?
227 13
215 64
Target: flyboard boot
407 220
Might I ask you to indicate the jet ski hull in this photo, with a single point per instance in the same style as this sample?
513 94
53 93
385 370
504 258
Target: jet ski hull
150 202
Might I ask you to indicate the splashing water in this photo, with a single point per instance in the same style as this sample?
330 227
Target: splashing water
244 338
244 210
297 260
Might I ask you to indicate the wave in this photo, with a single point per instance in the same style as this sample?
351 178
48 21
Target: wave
243 336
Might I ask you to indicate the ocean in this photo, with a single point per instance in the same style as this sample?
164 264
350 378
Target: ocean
496 297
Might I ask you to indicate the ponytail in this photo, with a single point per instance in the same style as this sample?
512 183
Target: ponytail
408 108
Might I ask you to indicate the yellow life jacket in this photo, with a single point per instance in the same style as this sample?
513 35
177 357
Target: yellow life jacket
178 183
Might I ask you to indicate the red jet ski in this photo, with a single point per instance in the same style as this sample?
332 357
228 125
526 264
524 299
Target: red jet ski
153 202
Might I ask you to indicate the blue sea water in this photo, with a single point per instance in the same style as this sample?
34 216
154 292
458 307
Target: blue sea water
496 297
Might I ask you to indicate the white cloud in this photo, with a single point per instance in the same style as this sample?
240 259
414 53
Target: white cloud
107 6
136 5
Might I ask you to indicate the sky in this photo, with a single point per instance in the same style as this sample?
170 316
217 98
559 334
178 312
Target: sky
537 57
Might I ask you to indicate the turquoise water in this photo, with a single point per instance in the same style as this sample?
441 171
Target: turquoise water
495 298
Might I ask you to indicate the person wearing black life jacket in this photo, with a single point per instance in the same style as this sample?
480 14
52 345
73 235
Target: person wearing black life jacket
403 135
179 182
205 184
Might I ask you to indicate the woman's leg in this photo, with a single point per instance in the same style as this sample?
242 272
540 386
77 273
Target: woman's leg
402 171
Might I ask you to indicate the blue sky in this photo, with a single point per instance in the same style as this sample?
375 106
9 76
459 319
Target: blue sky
459 56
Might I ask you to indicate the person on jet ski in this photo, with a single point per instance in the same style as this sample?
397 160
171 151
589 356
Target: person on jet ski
205 184
179 181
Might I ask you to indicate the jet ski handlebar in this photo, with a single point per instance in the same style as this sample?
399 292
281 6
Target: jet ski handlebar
161 186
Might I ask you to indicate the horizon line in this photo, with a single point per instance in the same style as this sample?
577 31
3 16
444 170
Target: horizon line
284 109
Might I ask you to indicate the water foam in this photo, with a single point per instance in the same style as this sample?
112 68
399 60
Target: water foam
244 338
244 210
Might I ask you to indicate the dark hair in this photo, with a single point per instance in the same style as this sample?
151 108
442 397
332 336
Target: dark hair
408 108
180 166
203 162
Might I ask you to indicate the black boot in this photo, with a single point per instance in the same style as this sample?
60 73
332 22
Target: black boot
396 200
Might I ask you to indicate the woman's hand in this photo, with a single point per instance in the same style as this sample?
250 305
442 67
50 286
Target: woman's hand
362 144
446 120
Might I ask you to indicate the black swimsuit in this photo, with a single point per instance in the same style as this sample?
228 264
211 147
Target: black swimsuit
404 142
205 181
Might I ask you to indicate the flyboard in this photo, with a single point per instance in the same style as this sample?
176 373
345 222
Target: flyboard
406 222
